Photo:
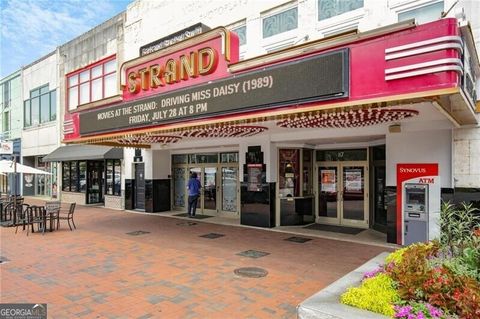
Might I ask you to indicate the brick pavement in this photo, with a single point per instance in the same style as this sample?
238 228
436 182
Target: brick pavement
98 271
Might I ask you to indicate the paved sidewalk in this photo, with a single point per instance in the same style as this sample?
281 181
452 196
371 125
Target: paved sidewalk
99 271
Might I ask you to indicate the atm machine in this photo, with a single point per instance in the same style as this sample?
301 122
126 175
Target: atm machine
415 213
418 206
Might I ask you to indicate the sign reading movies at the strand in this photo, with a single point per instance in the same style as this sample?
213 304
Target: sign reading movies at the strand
194 82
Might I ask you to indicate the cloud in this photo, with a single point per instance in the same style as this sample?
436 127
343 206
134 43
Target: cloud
33 28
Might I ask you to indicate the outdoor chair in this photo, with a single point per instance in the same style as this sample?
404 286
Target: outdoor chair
68 216
22 216
14 213
34 215
8 211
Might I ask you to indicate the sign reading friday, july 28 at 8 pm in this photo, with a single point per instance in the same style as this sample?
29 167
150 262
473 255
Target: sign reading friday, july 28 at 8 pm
322 77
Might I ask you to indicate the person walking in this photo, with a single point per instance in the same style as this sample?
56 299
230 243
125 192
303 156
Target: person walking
193 187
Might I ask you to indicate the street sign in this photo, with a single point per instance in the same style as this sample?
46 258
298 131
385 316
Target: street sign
6 148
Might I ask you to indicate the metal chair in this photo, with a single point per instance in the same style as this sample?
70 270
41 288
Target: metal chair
34 215
68 216
15 213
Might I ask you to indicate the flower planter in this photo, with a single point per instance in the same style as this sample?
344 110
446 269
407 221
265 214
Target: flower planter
325 304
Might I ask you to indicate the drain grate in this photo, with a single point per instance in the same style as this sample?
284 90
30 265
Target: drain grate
186 224
138 233
251 272
3 260
212 235
253 253
300 240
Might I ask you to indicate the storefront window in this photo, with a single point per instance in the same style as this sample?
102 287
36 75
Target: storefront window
109 181
117 179
229 157
307 172
289 172
113 183
66 176
82 173
74 176
180 159
203 158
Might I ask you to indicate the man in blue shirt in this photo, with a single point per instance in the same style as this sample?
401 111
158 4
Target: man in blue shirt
193 193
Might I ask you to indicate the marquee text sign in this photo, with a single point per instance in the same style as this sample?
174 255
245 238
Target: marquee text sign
171 39
322 77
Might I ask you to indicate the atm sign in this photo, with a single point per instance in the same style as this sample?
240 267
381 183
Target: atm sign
427 181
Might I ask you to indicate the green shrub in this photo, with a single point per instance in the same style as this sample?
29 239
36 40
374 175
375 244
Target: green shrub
457 225
377 294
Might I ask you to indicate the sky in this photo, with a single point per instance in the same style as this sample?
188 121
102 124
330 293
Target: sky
30 29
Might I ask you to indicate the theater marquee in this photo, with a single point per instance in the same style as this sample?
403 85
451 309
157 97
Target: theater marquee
323 77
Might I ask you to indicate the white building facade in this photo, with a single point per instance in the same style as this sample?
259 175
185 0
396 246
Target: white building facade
41 125
294 161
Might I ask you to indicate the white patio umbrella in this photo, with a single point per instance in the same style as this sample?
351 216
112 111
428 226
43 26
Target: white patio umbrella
7 166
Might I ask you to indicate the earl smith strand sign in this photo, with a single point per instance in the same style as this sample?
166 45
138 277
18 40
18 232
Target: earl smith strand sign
322 77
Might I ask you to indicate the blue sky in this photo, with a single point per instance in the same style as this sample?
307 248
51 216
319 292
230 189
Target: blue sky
31 29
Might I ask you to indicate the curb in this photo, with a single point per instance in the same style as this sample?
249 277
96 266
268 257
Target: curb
325 304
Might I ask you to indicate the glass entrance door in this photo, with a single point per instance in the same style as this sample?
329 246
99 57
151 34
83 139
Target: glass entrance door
209 184
207 175
219 194
353 201
95 182
342 194
198 171
328 190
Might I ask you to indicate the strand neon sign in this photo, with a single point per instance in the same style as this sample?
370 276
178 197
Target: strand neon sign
192 65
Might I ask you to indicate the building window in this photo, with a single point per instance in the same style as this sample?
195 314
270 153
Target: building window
41 107
242 34
423 14
331 8
280 22
229 157
6 95
6 121
74 176
113 177
96 82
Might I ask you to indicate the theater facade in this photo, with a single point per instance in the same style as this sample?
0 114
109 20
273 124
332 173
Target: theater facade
315 133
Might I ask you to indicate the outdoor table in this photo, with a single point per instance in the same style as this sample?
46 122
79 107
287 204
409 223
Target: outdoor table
52 209
51 217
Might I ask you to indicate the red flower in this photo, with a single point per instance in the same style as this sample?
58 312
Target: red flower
476 232
456 294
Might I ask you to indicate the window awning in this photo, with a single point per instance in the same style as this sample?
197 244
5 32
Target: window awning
83 152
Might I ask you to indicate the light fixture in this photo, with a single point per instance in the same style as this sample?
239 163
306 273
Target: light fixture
395 128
